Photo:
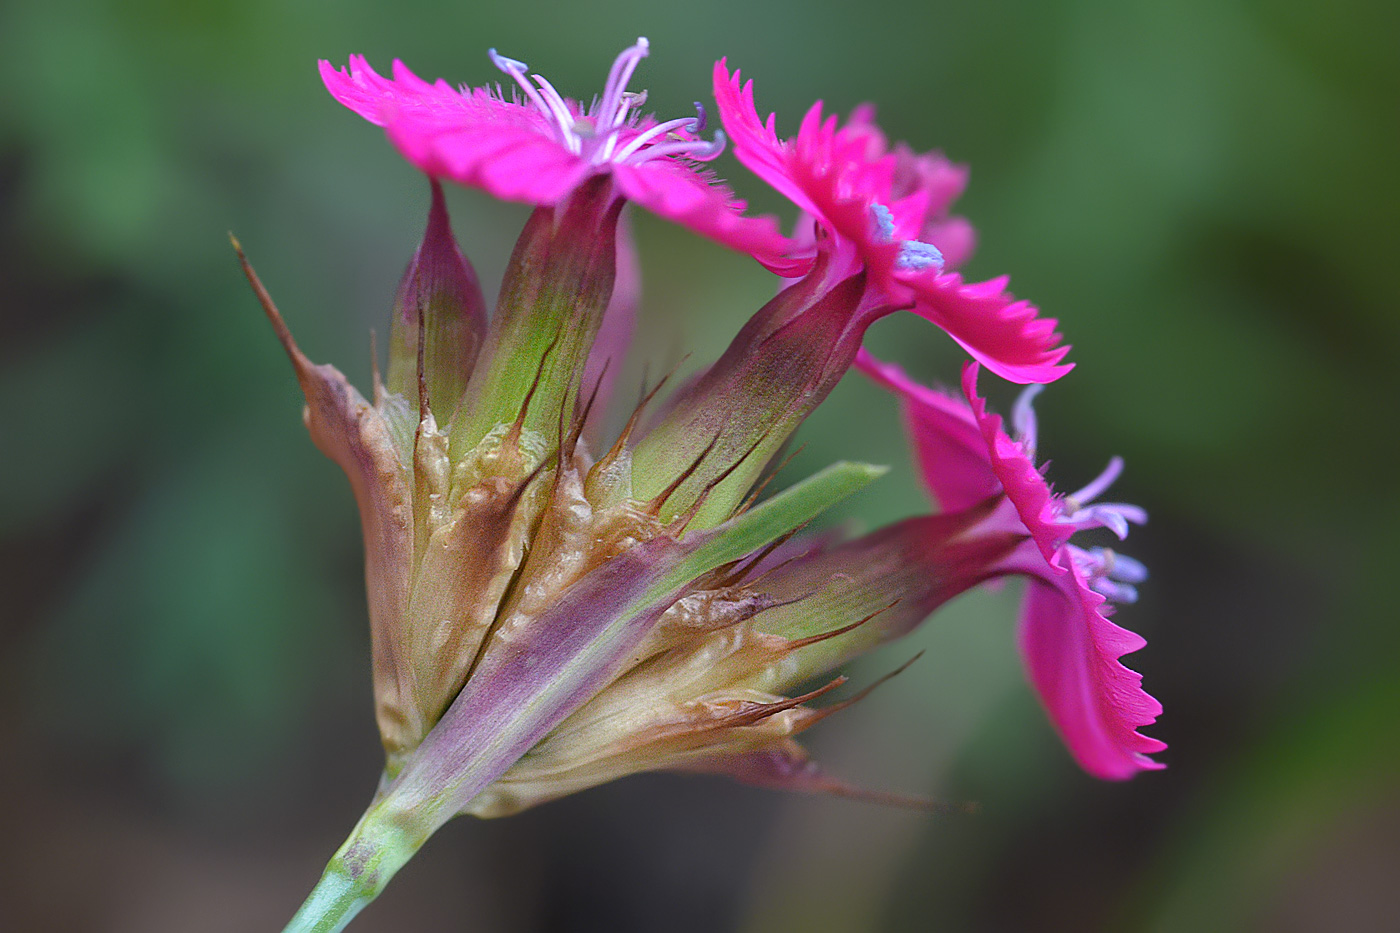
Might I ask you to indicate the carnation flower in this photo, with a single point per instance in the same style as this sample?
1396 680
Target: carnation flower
550 611
870 206
1070 646
536 146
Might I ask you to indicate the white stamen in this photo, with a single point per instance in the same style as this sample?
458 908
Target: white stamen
560 112
516 69
1099 484
686 123
618 77
1023 419
697 149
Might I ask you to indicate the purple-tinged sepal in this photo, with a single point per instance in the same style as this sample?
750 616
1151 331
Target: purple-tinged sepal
552 607
439 318
614 338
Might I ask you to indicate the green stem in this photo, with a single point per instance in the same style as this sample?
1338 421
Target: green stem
376 849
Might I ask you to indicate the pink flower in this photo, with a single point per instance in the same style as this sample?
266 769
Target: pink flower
873 206
1071 648
541 147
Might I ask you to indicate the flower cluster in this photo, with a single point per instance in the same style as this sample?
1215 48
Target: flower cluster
552 608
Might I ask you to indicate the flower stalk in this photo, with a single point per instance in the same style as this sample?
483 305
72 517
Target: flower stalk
381 843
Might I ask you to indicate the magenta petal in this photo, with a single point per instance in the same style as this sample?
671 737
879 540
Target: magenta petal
1005 335
1071 651
475 138
680 193
946 437
1015 470
755 143
955 238
888 208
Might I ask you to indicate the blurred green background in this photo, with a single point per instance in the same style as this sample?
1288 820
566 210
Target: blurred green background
1203 191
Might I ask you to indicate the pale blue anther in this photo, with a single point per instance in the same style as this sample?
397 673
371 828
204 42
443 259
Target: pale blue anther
1127 570
701 118
1110 573
913 254
884 222
916 254
1118 592
508 65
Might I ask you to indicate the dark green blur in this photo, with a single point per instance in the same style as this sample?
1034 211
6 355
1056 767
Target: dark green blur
1204 192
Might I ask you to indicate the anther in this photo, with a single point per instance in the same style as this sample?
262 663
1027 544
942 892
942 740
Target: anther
510 66
884 222
916 254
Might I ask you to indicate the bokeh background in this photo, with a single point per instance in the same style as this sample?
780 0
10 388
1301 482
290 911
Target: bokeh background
1204 191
